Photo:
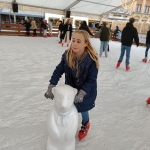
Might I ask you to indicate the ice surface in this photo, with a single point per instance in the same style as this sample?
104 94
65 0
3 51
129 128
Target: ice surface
120 120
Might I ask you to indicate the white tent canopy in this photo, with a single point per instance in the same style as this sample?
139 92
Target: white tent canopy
97 7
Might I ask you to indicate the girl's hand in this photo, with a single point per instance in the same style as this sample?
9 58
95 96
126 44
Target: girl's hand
79 97
49 93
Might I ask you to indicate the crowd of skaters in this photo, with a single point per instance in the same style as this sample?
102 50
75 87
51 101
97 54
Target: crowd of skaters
129 33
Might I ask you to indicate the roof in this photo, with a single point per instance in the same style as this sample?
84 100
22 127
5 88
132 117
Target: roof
97 7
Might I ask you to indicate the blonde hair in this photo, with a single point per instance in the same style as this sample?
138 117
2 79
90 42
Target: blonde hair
67 21
88 49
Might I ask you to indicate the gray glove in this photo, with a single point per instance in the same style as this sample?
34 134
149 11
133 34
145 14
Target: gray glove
79 97
49 93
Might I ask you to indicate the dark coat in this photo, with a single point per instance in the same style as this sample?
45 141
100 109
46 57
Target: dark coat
42 24
65 29
148 38
27 25
105 34
45 26
88 81
116 31
128 34
86 29
61 27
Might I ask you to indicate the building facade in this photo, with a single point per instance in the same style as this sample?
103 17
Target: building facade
140 11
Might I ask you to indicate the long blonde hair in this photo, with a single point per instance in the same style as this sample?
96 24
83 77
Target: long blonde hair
88 49
67 21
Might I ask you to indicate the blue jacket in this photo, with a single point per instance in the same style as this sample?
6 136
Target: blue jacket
88 82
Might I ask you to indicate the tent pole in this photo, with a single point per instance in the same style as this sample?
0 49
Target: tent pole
14 17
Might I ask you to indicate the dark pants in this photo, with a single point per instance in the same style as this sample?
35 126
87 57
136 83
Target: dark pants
115 34
34 32
60 36
128 49
147 48
27 31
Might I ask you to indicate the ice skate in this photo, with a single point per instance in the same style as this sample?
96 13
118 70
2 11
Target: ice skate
118 64
127 68
144 60
148 101
84 130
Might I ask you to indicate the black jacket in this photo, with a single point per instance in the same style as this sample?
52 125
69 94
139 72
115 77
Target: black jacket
61 27
86 29
128 34
148 38
27 25
45 27
67 27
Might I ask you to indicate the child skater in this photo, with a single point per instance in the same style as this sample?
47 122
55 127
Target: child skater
45 27
61 26
147 45
50 26
80 65
67 32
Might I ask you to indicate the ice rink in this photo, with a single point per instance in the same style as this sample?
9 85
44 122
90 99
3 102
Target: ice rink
120 120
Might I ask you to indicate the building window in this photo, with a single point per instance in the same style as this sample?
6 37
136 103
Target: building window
127 11
121 10
146 9
138 8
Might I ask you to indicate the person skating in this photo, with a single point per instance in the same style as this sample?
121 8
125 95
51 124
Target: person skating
67 32
80 65
147 45
104 34
50 27
85 27
128 34
27 25
115 33
34 27
45 27
61 26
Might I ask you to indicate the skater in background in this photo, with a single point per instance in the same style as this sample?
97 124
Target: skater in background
34 27
115 32
97 35
67 32
147 45
42 26
104 34
128 34
80 65
61 26
45 27
27 25
85 27
50 27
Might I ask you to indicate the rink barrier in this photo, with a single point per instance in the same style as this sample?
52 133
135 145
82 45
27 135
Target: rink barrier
20 30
